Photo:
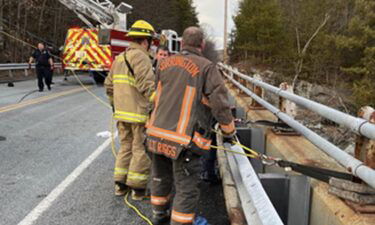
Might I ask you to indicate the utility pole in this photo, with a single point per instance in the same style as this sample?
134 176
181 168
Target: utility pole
225 56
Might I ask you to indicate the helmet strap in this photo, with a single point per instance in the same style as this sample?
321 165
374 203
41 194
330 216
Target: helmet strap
149 41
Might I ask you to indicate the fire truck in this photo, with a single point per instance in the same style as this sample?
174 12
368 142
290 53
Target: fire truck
94 48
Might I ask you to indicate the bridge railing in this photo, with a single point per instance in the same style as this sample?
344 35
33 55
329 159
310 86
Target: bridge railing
358 125
21 66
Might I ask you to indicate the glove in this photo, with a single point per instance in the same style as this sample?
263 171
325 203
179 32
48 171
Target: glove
29 66
229 138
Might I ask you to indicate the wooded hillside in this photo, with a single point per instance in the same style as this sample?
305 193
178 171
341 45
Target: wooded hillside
48 20
322 41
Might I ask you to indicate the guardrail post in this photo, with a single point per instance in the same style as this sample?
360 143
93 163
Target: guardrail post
285 105
365 147
288 107
11 74
254 105
10 83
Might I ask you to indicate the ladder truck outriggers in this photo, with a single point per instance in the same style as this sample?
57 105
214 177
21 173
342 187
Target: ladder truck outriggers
94 48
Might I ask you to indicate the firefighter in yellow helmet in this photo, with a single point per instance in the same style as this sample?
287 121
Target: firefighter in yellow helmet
130 87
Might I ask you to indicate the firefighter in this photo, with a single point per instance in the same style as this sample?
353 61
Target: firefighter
190 94
43 66
130 87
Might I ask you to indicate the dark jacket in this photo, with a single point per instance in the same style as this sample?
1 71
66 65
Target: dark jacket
190 92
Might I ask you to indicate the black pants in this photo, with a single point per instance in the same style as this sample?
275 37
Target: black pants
209 160
44 73
183 173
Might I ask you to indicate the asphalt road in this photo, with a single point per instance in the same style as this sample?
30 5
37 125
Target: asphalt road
53 167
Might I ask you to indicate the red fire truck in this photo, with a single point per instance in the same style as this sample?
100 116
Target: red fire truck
93 49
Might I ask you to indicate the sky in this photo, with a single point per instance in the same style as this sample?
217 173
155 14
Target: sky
211 17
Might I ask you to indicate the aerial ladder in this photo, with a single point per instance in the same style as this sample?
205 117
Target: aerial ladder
103 11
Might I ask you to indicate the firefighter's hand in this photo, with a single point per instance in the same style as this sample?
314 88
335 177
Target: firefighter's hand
228 138
29 68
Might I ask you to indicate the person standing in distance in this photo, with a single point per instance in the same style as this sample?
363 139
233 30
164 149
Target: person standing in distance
43 66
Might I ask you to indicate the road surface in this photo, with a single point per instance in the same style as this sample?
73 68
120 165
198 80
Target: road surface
54 168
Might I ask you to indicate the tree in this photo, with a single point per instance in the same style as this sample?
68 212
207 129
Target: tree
164 14
187 15
259 30
357 47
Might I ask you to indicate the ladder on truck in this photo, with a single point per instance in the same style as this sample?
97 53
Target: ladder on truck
104 12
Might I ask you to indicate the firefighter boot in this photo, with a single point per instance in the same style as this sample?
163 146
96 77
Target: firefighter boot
139 194
160 218
121 189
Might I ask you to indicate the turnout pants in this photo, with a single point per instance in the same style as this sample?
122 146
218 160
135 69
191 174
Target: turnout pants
132 163
43 73
183 173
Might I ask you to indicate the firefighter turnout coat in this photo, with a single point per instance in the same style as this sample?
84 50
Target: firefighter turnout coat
131 90
130 84
190 90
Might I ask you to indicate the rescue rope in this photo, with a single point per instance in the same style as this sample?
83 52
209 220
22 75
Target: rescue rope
139 213
136 209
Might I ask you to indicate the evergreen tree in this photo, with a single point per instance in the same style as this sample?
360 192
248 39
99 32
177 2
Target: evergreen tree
187 15
164 14
357 47
259 30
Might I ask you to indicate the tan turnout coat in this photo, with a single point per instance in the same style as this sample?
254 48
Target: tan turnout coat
131 93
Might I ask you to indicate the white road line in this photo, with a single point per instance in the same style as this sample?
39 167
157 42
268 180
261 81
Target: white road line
55 193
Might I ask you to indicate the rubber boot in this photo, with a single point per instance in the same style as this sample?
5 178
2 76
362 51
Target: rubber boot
121 189
139 194
160 218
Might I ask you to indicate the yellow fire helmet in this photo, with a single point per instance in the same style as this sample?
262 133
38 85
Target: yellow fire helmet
141 28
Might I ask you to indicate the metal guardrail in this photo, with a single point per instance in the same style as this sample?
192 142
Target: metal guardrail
355 166
255 202
22 66
358 125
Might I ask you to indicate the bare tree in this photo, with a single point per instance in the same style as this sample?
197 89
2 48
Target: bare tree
2 40
302 53
41 16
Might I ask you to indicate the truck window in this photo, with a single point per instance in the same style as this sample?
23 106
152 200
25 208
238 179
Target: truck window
104 37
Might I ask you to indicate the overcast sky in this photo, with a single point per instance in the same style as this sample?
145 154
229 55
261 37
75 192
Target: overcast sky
211 16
